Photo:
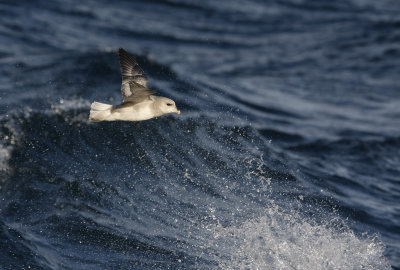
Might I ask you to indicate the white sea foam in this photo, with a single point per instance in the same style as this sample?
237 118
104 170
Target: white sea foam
4 157
283 237
8 138
281 240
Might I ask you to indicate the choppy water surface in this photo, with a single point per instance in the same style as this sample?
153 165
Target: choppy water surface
286 154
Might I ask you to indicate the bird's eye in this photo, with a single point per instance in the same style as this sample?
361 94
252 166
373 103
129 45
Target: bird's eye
169 104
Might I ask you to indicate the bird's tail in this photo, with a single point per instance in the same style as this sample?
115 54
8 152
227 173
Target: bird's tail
99 111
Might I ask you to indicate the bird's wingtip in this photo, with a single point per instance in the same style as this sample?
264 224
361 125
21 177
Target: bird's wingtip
121 50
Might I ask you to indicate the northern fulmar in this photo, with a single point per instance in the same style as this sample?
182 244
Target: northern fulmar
139 103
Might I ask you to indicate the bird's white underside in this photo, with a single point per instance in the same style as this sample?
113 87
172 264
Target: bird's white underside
139 104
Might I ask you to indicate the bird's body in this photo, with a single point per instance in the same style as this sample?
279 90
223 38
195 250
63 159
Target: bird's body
139 103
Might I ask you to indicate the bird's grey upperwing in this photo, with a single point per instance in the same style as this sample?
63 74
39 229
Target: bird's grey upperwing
130 71
139 93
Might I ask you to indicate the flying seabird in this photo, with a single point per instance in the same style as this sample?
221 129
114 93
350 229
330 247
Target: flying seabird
139 103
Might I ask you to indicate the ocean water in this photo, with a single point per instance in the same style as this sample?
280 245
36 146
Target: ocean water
286 154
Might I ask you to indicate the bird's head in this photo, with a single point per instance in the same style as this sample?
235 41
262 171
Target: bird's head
167 105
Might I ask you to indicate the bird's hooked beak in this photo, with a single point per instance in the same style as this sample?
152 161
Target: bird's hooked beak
177 111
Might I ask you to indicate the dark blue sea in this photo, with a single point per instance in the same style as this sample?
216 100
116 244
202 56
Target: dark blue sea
286 154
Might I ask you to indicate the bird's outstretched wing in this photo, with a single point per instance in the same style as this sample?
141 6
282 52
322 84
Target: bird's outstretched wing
131 72
139 93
